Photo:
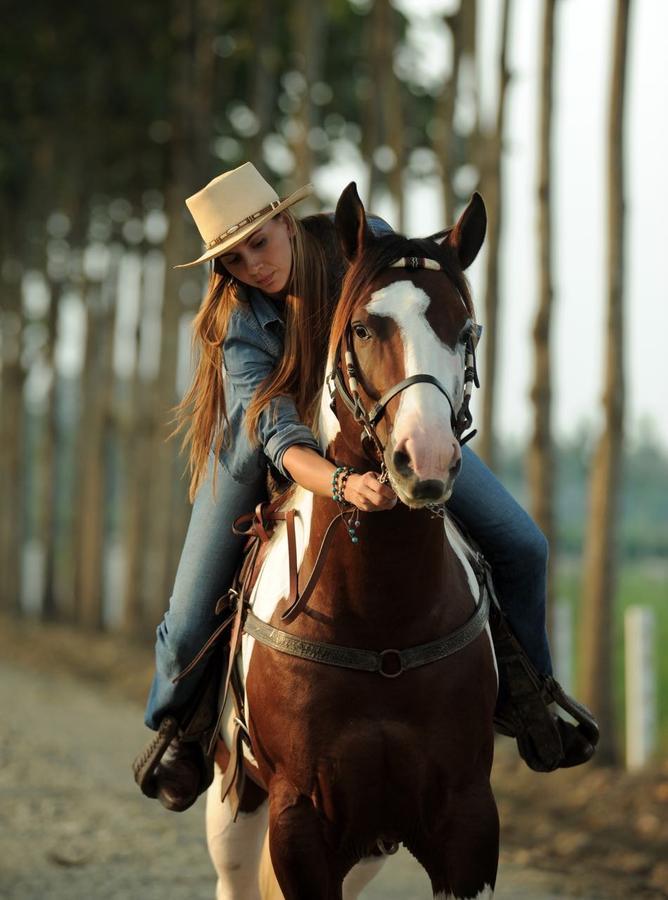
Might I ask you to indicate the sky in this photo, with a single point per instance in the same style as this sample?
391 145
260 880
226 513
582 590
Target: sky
583 54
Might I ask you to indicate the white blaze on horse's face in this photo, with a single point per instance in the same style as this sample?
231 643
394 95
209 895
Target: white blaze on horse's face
422 453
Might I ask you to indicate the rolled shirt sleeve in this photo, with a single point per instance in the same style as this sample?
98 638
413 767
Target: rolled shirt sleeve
247 365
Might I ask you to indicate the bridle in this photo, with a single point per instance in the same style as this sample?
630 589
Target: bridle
461 419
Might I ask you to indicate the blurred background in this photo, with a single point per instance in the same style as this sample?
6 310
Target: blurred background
553 110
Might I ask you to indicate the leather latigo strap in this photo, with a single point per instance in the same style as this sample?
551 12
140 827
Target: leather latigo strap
296 601
259 525
234 777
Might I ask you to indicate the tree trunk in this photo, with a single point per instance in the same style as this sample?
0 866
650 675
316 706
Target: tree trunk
308 28
541 459
384 126
12 463
134 420
97 388
600 550
56 602
392 105
190 142
45 462
492 151
444 136
454 148
263 23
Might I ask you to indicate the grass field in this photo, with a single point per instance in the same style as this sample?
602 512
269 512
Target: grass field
643 583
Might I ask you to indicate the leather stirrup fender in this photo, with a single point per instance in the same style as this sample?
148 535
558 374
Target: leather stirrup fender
526 714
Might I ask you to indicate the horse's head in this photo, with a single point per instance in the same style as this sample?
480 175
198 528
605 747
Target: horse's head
402 331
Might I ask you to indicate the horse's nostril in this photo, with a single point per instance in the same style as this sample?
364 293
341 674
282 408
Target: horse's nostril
402 462
454 470
430 489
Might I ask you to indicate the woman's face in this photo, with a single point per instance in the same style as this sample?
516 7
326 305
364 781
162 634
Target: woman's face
263 260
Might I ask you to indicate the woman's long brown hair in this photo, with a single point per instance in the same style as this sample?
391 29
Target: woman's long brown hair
312 293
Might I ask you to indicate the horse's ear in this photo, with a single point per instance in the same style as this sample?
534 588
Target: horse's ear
467 235
350 220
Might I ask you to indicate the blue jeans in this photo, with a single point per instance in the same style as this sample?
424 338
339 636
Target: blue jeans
206 568
515 548
511 542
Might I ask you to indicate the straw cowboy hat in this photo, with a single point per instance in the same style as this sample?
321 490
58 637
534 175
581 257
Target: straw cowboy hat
232 206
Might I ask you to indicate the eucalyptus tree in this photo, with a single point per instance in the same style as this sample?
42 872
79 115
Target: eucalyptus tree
601 564
541 461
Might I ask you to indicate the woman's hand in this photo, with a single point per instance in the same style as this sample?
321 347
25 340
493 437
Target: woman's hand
314 473
367 493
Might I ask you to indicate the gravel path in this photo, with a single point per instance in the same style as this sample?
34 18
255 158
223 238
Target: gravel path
73 826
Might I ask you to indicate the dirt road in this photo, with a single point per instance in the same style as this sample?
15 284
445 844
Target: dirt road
73 826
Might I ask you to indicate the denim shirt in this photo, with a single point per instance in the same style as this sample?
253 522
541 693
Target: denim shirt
251 351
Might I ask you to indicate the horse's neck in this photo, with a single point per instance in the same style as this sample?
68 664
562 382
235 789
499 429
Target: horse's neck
402 561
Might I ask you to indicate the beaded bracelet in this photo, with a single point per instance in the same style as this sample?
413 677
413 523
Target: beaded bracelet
339 481
343 481
335 490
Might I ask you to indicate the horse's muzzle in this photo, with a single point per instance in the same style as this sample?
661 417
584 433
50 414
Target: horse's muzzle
415 491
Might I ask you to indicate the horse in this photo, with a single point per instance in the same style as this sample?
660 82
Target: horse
369 700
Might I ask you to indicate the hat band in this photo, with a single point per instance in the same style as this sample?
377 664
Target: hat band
244 222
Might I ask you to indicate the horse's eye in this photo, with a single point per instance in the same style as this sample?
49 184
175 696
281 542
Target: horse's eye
361 331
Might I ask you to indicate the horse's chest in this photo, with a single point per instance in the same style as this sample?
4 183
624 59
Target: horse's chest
311 718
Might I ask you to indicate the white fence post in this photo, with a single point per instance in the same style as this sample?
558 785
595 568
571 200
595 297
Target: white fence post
562 623
640 685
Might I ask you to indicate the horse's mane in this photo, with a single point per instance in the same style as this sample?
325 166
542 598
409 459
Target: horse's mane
378 254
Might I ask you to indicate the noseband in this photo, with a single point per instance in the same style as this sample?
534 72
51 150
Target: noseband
461 419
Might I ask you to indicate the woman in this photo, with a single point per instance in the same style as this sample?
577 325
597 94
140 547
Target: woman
266 317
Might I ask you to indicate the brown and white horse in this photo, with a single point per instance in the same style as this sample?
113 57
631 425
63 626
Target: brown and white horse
353 760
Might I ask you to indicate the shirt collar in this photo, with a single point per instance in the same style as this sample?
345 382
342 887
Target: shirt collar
266 311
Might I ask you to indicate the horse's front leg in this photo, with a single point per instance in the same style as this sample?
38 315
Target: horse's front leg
461 853
303 861
235 847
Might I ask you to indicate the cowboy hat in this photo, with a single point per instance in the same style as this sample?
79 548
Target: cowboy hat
232 206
